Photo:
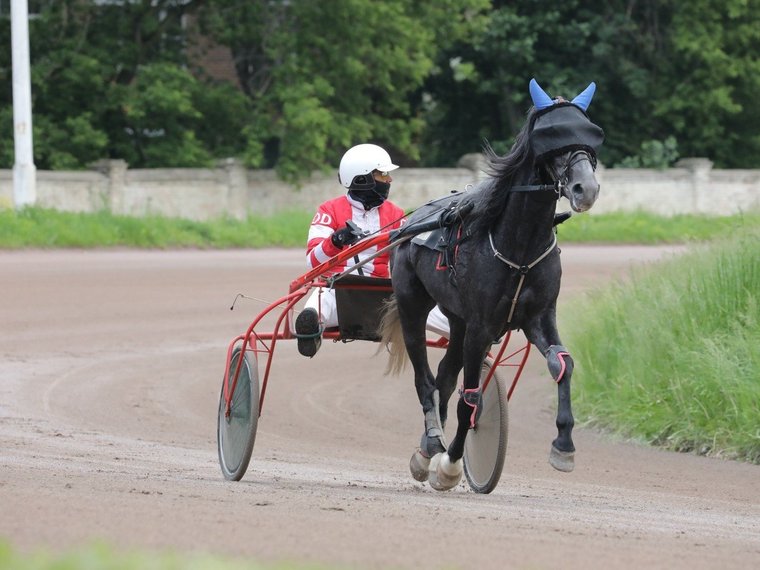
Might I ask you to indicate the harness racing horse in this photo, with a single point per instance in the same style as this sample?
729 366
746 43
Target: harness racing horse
505 275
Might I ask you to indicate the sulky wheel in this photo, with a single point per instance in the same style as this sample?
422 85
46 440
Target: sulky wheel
236 433
486 444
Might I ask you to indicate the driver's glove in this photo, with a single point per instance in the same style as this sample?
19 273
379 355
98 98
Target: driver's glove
343 237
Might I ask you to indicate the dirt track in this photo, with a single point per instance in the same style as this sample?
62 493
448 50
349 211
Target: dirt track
110 373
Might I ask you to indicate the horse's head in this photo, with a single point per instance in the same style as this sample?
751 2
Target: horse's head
573 171
564 140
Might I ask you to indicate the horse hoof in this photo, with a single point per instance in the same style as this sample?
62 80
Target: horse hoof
443 474
418 465
562 460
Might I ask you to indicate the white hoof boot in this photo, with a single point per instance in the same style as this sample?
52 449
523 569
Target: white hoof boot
442 473
562 460
418 465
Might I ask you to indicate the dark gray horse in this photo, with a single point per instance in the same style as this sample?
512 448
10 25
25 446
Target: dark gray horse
503 274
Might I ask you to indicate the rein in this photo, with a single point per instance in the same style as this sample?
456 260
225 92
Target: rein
556 187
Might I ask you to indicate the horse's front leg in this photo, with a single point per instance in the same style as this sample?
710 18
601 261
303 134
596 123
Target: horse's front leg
450 366
560 363
545 337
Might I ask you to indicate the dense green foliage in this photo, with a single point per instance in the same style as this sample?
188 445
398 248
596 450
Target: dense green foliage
325 75
429 80
672 357
45 228
676 78
109 80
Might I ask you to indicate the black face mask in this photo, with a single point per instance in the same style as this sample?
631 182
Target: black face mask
564 127
372 197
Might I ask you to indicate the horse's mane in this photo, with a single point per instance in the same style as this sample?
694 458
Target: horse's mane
504 171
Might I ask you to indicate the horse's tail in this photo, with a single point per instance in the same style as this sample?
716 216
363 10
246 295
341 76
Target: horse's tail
392 337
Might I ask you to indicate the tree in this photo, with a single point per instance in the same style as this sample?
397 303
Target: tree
564 46
428 80
670 74
325 75
712 73
110 80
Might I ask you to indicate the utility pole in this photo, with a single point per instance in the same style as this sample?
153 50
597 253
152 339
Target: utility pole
24 171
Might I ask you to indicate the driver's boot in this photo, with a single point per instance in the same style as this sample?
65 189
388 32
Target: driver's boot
308 332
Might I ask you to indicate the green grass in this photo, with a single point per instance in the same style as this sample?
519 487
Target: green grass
43 228
672 357
644 228
102 557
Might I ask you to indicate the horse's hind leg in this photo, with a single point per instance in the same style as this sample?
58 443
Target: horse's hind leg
425 461
432 441
543 334
413 305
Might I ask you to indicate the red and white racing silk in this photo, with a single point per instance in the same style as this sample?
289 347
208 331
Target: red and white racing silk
333 214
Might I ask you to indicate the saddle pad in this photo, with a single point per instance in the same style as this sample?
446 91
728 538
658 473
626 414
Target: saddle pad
433 239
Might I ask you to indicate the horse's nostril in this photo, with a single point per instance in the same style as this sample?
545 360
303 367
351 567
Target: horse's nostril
578 189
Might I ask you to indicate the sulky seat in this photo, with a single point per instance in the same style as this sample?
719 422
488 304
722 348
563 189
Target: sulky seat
360 301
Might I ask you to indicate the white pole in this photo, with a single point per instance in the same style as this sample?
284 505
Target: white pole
24 171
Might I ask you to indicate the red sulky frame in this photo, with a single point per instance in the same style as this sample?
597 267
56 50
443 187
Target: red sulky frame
263 343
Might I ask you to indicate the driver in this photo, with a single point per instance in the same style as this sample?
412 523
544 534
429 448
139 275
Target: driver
365 170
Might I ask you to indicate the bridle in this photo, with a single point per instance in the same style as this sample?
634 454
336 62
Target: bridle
560 178
575 157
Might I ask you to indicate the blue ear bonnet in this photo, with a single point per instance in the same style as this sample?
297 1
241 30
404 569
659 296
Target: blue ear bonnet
563 126
541 99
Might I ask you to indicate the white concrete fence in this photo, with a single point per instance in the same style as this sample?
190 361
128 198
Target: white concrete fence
232 190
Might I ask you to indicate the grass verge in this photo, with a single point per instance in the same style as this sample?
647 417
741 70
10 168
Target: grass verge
644 228
103 557
44 228
672 357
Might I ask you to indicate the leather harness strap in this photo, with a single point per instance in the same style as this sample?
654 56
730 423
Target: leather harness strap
523 269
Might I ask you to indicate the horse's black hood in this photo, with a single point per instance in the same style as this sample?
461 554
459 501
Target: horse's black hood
564 127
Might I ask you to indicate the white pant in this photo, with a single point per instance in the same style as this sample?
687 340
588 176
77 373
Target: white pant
436 322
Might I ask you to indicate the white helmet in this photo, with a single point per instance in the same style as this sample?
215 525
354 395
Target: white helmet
361 160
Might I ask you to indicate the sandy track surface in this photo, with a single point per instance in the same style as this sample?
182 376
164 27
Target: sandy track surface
110 370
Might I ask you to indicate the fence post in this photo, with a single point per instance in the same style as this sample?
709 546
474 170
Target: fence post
24 169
